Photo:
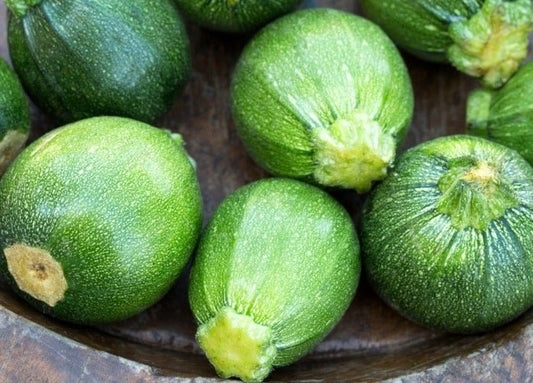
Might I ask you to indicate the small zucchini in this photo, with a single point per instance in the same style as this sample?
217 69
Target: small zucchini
487 39
446 238
98 218
78 59
276 268
323 96
14 116
505 115
235 16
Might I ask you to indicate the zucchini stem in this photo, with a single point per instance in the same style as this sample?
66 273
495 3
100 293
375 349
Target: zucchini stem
478 111
474 193
20 7
237 346
492 44
36 273
352 153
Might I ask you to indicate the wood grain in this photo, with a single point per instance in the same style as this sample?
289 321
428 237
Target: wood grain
372 342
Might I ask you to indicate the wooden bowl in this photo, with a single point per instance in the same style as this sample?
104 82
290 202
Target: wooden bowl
371 343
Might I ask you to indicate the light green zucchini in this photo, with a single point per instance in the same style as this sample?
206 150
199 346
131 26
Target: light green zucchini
447 237
323 96
276 268
98 218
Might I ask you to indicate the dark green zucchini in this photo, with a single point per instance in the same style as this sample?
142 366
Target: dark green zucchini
98 218
14 116
447 237
482 38
505 115
235 15
276 268
323 96
78 59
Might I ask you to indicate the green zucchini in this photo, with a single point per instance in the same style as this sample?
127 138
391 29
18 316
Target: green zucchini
14 116
505 115
235 15
98 218
78 59
323 96
487 39
446 238
276 268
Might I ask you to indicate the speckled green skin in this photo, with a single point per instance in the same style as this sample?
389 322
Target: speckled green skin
441 30
284 253
466 271
14 110
505 115
308 70
235 15
78 59
116 202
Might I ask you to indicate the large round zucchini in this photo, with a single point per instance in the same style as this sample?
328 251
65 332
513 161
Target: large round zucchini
276 268
98 218
447 237
323 96
78 59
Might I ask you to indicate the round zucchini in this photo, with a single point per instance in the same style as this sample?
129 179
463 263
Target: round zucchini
323 96
98 218
505 115
276 268
487 39
78 59
235 16
446 238
14 116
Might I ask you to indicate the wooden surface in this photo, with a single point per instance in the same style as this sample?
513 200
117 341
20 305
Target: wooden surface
371 343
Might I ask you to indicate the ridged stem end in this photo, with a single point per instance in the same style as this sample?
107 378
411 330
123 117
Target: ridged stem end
237 346
478 111
20 7
474 193
352 153
492 44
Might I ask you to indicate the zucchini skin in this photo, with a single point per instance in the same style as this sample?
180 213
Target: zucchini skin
78 59
420 27
505 115
14 116
308 72
116 202
458 259
235 16
284 253
482 38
